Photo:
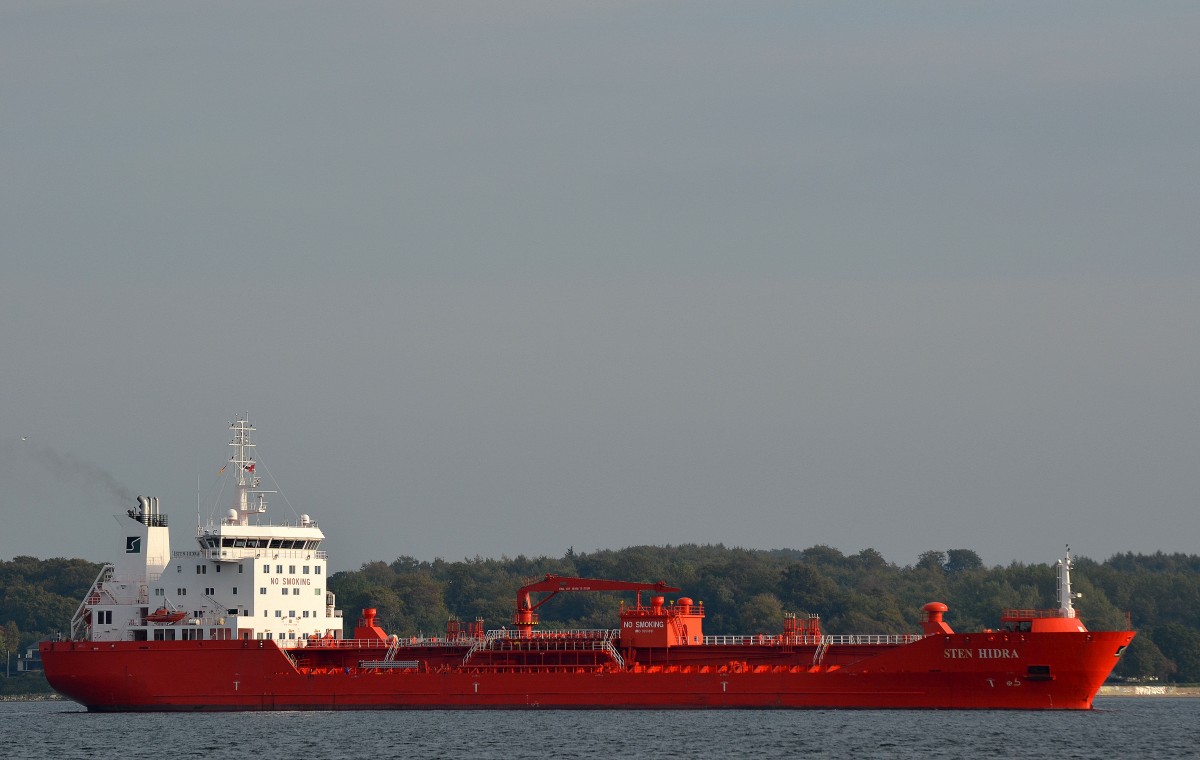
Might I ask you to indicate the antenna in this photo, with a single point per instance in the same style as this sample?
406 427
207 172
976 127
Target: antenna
1066 608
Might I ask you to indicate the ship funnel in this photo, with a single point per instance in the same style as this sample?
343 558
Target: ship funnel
148 512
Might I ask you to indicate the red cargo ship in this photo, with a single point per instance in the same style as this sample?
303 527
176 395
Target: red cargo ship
259 631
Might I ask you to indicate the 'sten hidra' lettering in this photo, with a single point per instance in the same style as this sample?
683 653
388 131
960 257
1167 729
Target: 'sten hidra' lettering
981 654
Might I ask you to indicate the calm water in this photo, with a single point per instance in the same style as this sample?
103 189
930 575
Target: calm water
1119 728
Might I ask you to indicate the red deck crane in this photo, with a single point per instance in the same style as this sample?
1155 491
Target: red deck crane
526 617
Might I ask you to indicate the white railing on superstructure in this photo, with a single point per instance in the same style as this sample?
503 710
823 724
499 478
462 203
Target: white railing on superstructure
234 553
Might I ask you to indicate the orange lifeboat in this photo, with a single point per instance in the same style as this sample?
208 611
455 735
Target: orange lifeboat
163 615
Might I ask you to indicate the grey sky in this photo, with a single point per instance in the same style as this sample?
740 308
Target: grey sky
503 278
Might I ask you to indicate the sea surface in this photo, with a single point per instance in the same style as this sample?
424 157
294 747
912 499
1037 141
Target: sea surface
1120 727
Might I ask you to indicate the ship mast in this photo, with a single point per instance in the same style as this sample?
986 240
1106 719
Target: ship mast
1066 607
246 498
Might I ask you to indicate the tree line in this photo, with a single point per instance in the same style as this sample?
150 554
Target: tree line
747 591
37 599
743 591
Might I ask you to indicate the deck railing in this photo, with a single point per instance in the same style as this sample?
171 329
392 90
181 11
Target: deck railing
601 639
1030 614
573 633
826 640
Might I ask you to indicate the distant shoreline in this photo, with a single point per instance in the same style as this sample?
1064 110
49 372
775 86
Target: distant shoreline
1124 690
1105 691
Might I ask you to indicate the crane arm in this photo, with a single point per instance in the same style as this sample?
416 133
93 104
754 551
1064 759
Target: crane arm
556 584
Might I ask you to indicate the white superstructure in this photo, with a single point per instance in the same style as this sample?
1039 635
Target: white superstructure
245 579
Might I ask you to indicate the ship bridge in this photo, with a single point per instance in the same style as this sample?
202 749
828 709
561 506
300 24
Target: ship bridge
236 542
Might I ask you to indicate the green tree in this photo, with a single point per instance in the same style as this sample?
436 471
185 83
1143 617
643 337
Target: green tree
804 588
1182 646
1144 659
961 560
932 561
762 613
35 609
11 638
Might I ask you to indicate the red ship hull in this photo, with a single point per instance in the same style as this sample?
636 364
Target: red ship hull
991 670
256 651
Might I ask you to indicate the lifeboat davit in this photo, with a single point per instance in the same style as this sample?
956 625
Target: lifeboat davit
164 615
